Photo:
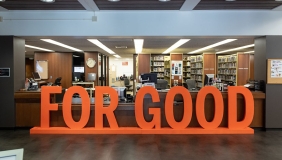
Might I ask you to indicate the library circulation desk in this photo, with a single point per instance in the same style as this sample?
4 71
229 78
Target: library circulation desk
28 110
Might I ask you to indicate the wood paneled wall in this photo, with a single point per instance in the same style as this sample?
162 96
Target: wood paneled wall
59 65
176 57
144 63
243 69
29 67
209 66
252 70
87 70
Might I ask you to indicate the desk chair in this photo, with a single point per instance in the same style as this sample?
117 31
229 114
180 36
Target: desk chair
191 84
161 84
57 81
127 84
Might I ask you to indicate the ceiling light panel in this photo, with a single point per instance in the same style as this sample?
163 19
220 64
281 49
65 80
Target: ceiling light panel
138 43
235 49
117 56
42 49
61 44
48 1
101 45
176 45
213 45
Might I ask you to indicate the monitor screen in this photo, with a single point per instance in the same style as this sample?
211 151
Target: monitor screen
208 79
91 77
78 69
36 76
149 78
121 91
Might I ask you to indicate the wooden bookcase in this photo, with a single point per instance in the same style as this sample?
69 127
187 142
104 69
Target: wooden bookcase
167 73
186 67
158 65
236 68
197 69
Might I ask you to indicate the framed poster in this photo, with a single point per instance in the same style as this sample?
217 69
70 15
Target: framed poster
274 71
42 69
176 68
4 72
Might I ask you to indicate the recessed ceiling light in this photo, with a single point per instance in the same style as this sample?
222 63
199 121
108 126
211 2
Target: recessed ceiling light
138 43
235 49
48 1
43 49
113 0
101 45
176 45
213 45
164 0
61 44
230 0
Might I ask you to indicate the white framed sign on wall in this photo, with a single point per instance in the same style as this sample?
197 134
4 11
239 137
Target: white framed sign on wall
176 68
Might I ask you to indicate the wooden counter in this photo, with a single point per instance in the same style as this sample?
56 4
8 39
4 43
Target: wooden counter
28 110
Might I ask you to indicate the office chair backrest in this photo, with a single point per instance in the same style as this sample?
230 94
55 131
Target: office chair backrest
58 81
126 81
191 83
161 84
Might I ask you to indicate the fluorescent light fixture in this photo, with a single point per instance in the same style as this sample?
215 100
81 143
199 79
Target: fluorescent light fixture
117 56
2 0
234 49
138 43
48 1
214 45
61 44
250 52
176 45
164 0
102 46
43 49
113 0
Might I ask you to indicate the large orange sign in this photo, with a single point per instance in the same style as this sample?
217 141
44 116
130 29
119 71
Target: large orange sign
154 126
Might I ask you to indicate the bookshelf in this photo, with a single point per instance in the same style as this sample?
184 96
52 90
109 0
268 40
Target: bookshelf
197 69
157 65
167 73
227 68
186 67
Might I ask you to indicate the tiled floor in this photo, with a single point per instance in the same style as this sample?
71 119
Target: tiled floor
260 146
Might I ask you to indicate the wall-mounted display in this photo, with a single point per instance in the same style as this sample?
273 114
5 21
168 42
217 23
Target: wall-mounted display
4 72
176 68
274 71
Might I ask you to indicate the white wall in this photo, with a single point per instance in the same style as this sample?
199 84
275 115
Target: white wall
142 23
120 69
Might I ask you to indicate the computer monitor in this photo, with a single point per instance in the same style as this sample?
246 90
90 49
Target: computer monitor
121 91
36 76
78 69
208 79
91 77
149 78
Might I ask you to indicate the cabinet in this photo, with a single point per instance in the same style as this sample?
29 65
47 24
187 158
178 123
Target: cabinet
157 65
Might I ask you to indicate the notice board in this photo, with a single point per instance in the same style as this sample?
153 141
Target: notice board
274 71
42 69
